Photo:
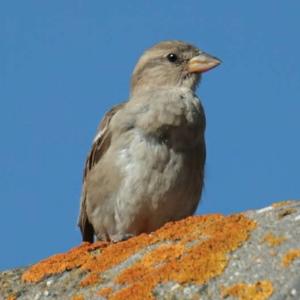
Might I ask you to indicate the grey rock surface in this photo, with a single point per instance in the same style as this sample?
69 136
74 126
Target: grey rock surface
265 265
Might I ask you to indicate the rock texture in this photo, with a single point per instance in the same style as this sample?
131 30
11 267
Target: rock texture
249 256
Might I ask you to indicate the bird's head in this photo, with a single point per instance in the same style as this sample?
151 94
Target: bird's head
171 64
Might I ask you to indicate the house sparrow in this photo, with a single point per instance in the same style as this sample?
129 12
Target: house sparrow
146 165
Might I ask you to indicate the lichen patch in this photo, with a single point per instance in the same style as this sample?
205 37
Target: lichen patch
290 256
78 297
273 240
191 250
198 264
105 292
261 290
59 263
90 279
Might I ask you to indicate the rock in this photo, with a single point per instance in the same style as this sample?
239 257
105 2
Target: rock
254 255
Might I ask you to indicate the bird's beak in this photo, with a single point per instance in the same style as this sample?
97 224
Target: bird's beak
202 63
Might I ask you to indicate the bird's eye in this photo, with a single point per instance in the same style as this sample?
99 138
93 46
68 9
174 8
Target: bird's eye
172 57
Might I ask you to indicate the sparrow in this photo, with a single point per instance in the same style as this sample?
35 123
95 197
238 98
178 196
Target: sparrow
146 164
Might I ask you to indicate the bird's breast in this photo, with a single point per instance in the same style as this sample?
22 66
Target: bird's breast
174 119
156 178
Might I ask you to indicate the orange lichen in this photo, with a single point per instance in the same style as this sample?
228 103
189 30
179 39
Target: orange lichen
105 292
290 256
193 250
260 290
90 279
164 253
78 297
12 297
115 254
198 263
58 263
273 240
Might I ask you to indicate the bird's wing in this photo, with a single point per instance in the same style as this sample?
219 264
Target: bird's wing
100 145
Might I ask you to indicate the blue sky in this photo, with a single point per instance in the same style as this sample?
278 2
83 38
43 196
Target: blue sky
64 63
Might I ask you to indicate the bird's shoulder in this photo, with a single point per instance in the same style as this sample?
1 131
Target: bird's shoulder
102 139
